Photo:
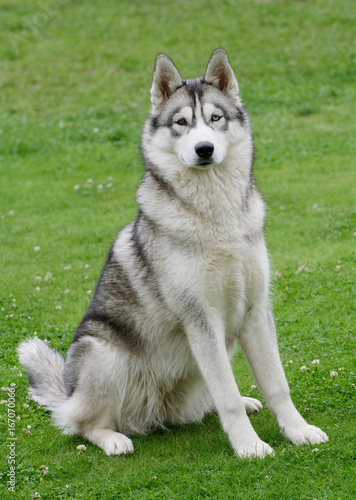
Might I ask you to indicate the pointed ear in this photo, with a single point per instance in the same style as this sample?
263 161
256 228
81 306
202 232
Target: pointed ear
219 73
166 80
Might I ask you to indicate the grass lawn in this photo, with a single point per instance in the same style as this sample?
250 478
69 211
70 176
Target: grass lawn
74 93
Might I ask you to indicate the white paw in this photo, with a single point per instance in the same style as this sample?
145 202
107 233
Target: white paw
254 449
113 443
252 405
304 434
118 444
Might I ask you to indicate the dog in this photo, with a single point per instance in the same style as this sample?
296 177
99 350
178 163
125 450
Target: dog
183 284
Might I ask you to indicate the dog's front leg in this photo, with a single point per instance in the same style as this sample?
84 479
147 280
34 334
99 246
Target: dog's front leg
259 343
207 342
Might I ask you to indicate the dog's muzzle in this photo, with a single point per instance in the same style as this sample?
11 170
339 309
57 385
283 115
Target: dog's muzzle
205 151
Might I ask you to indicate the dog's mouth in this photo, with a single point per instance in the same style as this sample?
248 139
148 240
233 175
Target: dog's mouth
203 165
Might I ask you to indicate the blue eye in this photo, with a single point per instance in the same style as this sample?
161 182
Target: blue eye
215 118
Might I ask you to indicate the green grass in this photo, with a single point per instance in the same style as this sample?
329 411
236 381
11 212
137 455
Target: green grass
74 92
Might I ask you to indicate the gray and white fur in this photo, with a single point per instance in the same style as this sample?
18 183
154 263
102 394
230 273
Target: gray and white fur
183 284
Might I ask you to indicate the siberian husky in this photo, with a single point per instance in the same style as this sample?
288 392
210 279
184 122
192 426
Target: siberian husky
182 285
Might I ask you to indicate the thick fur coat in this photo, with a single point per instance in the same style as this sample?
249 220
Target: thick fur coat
183 284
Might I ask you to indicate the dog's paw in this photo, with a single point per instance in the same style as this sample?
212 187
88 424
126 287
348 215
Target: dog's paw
252 405
111 442
254 449
304 434
118 444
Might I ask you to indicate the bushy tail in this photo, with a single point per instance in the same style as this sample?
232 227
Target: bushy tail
45 370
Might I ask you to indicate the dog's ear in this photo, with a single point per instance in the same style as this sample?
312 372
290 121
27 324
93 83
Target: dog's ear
166 80
219 73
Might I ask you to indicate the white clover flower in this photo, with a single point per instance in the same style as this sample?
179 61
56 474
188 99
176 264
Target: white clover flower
315 450
48 276
302 269
66 268
37 249
67 291
38 279
38 289
76 187
337 269
253 387
333 373
59 307
290 362
82 448
96 130
303 368
89 292
315 362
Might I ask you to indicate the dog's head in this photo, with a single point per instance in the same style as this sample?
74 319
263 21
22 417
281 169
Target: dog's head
196 120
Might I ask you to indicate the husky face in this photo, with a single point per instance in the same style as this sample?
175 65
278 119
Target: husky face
196 121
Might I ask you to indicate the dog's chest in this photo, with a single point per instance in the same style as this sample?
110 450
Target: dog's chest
219 267
233 278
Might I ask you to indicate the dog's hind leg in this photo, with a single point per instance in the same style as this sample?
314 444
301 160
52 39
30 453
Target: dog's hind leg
92 419
113 443
98 389
91 415
252 405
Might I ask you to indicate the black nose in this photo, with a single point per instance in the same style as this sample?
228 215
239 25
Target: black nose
204 149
